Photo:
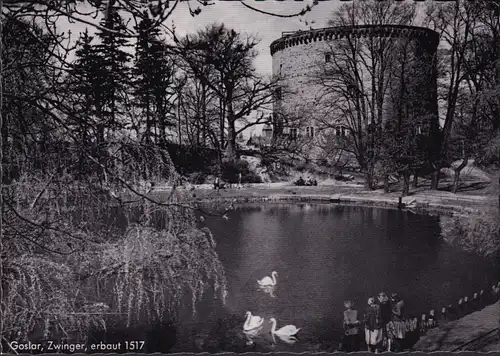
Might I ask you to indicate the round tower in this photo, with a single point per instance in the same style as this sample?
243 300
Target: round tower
410 73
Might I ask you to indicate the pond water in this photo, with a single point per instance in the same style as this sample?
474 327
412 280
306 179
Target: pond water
325 254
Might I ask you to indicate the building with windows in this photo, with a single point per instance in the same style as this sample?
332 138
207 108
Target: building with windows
306 106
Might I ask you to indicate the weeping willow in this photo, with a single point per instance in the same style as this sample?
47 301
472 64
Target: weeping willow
38 297
68 265
151 271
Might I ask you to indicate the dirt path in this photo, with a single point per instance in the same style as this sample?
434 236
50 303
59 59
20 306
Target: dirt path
420 200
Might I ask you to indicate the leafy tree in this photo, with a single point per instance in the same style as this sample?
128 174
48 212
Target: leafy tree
28 68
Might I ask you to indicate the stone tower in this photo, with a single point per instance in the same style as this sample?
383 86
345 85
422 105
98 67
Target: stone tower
297 56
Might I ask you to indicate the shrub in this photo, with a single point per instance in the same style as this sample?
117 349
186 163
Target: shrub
189 160
477 233
197 178
231 169
301 166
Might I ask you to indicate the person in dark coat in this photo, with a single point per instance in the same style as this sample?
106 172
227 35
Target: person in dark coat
398 325
385 314
373 331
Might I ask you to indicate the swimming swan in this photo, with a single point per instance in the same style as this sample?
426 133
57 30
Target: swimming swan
286 331
267 281
252 322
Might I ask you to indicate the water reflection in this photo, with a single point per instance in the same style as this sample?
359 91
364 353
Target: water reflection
290 340
268 290
252 334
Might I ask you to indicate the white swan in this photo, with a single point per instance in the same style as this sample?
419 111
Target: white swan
287 331
268 281
252 322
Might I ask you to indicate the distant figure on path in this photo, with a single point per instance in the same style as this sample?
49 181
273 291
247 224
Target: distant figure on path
239 180
373 332
351 328
217 183
398 325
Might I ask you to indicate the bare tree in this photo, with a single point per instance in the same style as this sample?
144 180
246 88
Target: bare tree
236 84
356 81
453 21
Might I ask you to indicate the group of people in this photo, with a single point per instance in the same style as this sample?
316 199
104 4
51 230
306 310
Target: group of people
309 181
220 185
384 326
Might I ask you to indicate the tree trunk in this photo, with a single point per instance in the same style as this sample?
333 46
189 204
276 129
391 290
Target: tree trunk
386 183
231 130
456 177
415 179
406 183
368 180
231 142
179 125
435 178
204 114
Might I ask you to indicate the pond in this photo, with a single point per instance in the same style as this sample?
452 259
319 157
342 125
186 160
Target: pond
325 254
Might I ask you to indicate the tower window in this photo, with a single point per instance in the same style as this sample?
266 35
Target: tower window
341 131
310 131
293 133
328 57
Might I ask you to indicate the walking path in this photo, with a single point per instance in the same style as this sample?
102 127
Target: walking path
472 330
420 200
